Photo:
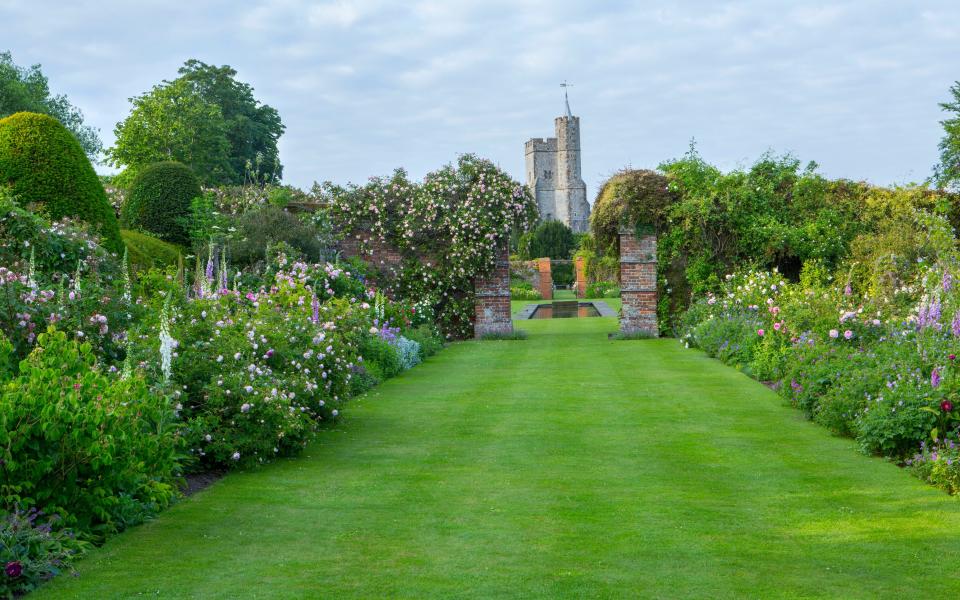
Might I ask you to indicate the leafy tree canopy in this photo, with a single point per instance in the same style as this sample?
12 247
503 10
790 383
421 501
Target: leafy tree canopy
947 171
27 90
551 239
207 120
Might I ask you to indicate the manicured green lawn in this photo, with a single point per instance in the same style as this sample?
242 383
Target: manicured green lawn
563 466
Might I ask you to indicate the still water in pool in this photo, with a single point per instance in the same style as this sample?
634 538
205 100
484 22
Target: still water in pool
565 310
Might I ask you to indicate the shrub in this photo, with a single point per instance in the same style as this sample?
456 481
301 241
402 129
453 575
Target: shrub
408 351
257 373
629 198
33 549
448 230
87 305
427 337
49 172
147 252
258 229
159 201
96 448
938 463
54 248
522 290
380 358
603 289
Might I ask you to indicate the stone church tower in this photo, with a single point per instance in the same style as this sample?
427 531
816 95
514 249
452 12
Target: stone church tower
553 174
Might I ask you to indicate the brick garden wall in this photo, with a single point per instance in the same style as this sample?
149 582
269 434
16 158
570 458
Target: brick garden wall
580 278
638 282
546 278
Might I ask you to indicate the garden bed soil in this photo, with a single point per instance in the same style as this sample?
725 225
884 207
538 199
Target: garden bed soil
196 482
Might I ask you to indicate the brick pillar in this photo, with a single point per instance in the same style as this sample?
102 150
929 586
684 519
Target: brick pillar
493 298
546 278
638 282
581 278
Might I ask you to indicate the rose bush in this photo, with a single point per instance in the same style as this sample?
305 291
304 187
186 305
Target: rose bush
447 229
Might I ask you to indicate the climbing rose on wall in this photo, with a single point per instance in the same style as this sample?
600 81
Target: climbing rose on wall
447 230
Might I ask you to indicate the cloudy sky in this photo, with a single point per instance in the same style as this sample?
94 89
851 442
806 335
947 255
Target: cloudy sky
365 86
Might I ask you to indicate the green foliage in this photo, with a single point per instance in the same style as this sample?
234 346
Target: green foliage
599 265
630 198
174 122
865 367
380 358
947 171
205 224
602 289
776 214
270 225
552 239
408 352
27 90
147 252
447 229
34 548
562 273
252 129
160 200
429 339
523 290
54 248
938 463
95 448
207 120
257 374
47 170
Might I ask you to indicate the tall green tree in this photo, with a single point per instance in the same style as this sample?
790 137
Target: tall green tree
26 89
174 122
947 172
551 239
253 129
206 119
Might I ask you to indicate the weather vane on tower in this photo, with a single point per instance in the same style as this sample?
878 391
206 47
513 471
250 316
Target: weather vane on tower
566 99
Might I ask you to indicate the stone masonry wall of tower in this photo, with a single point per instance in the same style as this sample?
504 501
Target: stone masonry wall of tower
554 175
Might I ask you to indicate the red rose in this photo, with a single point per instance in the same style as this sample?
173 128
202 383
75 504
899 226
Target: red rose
14 569
946 406
952 357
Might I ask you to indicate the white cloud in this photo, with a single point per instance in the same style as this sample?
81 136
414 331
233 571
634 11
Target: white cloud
368 85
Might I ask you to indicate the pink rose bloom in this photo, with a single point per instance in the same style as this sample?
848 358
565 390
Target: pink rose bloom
760 332
848 334
834 333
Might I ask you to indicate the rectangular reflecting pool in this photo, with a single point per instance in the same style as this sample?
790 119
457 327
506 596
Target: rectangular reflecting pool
565 310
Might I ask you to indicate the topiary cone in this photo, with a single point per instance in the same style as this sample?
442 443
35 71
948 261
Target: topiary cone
48 171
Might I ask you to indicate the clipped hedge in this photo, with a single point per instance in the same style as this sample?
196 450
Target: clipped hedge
159 201
146 251
48 171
